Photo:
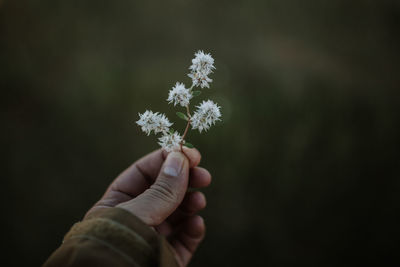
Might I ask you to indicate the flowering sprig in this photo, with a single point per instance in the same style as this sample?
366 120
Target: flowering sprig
206 114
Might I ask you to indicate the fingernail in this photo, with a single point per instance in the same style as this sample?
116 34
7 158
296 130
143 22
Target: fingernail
173 164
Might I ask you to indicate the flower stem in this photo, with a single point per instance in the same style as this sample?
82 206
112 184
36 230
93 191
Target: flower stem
187 126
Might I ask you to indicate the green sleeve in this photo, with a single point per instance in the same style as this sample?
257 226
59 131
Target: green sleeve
112 237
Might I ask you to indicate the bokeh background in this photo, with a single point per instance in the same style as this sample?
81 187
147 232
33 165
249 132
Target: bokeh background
305 163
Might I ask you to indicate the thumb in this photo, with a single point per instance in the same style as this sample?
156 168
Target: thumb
155 204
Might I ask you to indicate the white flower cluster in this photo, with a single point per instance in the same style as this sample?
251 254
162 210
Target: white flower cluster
206 115
156 122
179 95
159 123
202 66
170 141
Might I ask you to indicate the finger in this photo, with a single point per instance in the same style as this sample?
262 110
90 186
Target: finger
163 197
191 204
150 165
186 241
193 155
199 177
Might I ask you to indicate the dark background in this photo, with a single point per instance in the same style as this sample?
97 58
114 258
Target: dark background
305 163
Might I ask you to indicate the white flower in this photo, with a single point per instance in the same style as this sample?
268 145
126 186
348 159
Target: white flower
200 79
202 63
179 95
202 66
150 121
170 142
206 115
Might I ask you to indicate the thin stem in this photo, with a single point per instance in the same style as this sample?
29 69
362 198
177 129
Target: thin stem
189 120
188 112
187 126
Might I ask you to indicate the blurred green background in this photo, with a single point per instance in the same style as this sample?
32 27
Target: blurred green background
305 164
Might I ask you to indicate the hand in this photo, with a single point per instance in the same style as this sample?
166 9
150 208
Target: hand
155 190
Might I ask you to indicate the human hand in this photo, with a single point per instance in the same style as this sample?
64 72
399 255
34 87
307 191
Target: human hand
154 189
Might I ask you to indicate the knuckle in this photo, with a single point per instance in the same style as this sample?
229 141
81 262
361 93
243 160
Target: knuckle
164 191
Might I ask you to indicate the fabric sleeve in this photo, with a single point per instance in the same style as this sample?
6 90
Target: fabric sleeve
112 237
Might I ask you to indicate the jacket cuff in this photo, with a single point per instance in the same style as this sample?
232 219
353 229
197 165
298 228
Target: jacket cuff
127 235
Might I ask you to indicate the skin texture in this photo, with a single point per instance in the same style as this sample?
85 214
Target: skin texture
154 189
